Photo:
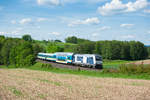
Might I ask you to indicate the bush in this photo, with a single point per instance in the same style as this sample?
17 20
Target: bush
134 69
110 70
46 66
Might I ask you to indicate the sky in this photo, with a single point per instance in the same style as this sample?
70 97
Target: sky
95 20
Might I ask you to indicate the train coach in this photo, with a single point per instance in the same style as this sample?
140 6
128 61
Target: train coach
85 60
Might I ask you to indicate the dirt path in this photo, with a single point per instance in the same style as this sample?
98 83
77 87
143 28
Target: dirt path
142 62
22 84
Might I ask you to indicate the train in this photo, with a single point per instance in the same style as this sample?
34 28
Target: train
84 60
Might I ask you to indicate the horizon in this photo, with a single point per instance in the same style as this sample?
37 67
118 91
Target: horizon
94 20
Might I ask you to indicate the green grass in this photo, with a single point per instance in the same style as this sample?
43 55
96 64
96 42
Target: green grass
51 82
114 63
99 73
42 96
15 91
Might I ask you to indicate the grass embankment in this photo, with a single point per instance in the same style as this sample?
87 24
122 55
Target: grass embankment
123 71
114 63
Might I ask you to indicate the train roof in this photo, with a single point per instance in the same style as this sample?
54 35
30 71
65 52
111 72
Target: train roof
87 55
46 53
66 53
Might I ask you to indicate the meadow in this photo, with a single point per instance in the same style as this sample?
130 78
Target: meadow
113 69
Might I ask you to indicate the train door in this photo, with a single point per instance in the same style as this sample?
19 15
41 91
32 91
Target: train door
79 59
90 60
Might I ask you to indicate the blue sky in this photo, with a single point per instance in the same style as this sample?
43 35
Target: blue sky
89 19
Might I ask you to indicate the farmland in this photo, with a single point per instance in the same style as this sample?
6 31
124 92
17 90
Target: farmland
16 84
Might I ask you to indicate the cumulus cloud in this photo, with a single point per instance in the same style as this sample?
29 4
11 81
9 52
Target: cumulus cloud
117 6
55 33
134 6
25 21
95 34
41 19
61 2
17 31
104 28
2 33
48 2
88 21
147 11
126 25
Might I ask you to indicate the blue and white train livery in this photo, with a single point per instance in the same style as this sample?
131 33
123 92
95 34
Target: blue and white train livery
89 60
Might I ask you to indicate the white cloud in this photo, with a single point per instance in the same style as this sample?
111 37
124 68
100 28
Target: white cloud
82 1
42 19
104 28
117 6
48 2
127 25
2 33
93 20
55 33
13 22
25 21
17 31
148 32
128 36
147 10
95 34
134 6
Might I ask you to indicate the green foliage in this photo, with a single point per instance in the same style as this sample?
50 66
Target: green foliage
15 91
134 69
121 50
85 47
57 41
72 39
70 48
46 66
52 48
18 52
114 73
27 37
7 45
112 50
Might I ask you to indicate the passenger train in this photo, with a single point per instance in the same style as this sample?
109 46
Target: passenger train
85 60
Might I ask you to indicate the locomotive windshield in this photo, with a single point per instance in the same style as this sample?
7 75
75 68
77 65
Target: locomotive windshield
98 58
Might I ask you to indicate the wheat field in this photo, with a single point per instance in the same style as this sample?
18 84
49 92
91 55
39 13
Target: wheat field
23 84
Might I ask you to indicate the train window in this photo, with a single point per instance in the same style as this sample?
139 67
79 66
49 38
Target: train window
79 58
98 58
90 60
69 58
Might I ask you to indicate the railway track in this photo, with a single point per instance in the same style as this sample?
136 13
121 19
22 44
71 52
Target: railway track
58 65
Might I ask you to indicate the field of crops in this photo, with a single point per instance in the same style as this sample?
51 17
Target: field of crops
24 84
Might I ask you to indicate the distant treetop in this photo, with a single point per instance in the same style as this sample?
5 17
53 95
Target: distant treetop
27 37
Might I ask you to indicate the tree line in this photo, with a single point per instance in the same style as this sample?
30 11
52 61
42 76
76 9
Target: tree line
124 50
23 51
18 52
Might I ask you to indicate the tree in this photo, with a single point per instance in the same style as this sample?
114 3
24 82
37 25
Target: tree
8 43
72 39
52 48
57 41
27 37
85 47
